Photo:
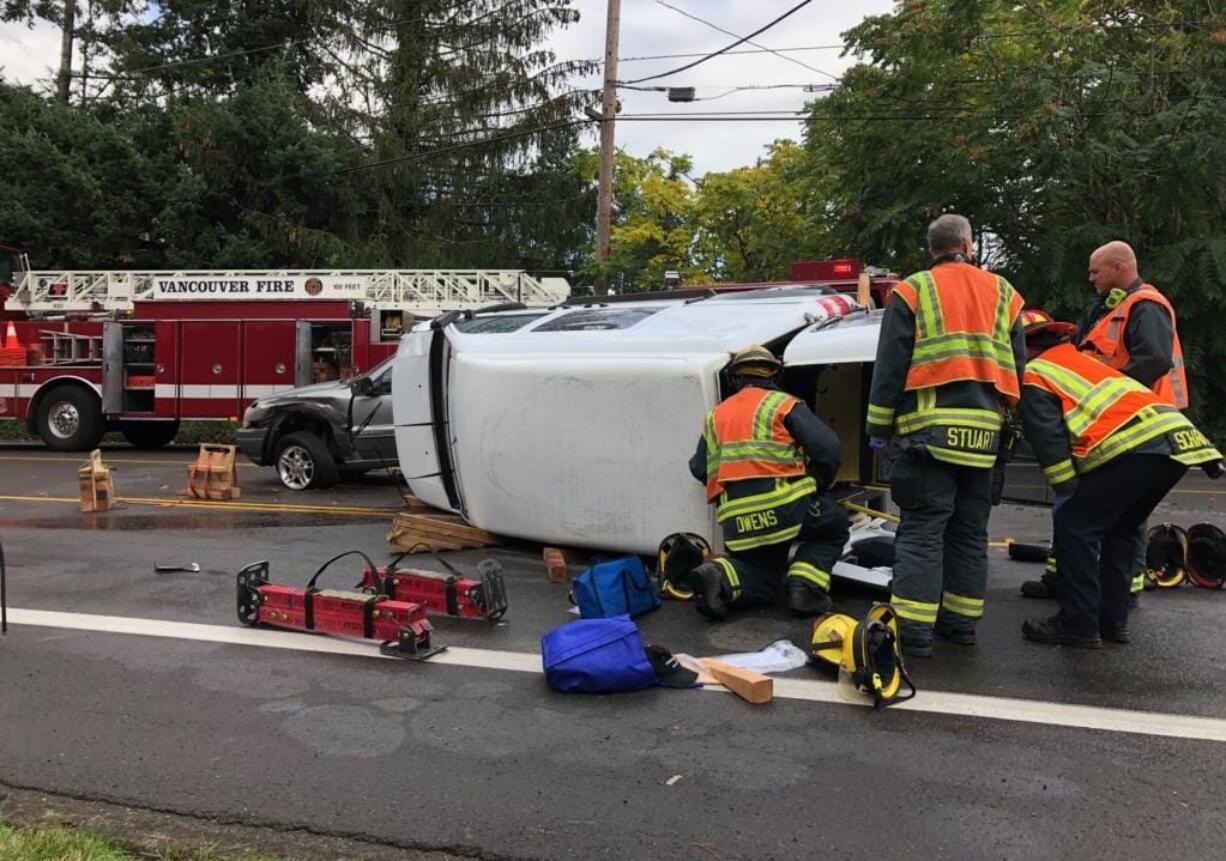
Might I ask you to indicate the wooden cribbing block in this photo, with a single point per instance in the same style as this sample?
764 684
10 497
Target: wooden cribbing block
555 564
750 686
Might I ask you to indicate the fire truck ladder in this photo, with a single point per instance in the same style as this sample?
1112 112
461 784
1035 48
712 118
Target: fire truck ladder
424 292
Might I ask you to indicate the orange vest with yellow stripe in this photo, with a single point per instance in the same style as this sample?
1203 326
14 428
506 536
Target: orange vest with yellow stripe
746 438
1107 413
1106 340
962 320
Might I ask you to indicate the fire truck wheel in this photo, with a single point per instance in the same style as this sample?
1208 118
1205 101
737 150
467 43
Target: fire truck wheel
149 435
303 461
70 419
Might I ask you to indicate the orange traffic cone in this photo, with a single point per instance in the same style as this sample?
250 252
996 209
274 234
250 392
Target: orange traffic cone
10 337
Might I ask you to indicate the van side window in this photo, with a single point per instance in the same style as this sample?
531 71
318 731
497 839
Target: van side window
383 383
596 319
497 324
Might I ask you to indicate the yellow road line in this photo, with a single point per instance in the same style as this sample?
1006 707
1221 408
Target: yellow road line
109 456
179 502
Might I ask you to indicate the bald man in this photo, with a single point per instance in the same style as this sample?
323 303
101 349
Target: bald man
1130 326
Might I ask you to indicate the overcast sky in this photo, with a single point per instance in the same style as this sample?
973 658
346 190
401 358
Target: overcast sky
649 28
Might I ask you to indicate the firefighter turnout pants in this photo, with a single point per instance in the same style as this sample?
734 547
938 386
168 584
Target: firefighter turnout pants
755 562
941 546
1098 537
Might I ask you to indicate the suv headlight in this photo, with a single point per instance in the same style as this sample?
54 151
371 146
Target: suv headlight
255 414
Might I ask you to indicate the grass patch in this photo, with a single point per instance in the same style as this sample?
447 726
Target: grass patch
70 844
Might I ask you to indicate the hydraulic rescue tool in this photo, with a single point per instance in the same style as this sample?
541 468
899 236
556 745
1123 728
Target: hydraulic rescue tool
401 627
388 605
484 597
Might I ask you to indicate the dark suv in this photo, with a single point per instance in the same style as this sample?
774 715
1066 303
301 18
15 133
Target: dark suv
315 433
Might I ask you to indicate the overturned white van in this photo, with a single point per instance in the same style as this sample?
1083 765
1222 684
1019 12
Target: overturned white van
573 425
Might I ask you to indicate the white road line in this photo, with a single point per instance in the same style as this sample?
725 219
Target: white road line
934 702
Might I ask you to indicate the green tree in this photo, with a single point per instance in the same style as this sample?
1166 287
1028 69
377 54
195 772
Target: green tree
1055 126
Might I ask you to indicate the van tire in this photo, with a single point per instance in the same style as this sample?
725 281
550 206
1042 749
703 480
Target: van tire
303 462
69 418
149 435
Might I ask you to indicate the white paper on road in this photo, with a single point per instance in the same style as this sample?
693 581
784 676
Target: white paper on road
779 657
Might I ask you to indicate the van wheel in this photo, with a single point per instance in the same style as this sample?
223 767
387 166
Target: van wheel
149 435
303 461
70 419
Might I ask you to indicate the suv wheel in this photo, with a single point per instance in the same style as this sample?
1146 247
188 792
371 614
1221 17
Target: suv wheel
303 461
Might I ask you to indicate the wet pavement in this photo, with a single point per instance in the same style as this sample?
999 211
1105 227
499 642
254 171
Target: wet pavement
489 763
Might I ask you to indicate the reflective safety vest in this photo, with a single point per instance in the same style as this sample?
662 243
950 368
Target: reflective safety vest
746 438
1106 341
1108 414
962 321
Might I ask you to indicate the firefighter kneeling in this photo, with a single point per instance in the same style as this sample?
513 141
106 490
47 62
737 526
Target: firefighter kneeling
765 458
1111 449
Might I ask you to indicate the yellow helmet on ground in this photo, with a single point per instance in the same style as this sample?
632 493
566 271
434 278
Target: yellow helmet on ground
867 650
754 361
679 554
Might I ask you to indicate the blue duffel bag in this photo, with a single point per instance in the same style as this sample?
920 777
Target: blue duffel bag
596 656
614 587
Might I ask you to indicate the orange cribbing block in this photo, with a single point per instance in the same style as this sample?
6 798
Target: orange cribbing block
750 686
214 475
555 564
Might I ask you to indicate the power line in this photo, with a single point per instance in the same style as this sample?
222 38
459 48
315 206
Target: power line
741 41
720 29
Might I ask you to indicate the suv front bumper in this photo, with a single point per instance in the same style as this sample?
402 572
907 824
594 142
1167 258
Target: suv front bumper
251 443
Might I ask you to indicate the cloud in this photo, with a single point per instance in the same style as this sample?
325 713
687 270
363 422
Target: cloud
31 55
648 28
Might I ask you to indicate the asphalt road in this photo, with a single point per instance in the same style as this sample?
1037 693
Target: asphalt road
485 761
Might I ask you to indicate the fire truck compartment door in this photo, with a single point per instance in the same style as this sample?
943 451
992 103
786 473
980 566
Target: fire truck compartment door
412 416
302 354
112 368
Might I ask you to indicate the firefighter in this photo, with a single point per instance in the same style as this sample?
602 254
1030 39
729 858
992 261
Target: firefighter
765 459
1130 326
1111 449
949 361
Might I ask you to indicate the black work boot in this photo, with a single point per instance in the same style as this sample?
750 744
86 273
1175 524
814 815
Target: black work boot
1044 587
915 641
1115 633
807 600
1052 632
711 591
962 635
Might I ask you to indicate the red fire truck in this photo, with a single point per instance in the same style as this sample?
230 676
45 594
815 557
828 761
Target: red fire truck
86 352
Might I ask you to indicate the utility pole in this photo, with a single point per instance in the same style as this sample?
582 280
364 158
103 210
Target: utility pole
64 79
608 112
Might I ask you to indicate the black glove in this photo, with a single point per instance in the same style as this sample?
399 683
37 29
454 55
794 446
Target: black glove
1214 469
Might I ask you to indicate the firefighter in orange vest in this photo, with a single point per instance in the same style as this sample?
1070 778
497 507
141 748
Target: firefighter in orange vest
949 361
765 459
1111 449
1131 327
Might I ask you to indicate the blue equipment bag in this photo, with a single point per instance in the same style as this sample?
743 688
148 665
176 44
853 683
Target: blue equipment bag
614 587
596 656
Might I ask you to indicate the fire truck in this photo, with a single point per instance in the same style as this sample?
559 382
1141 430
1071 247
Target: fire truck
139 351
